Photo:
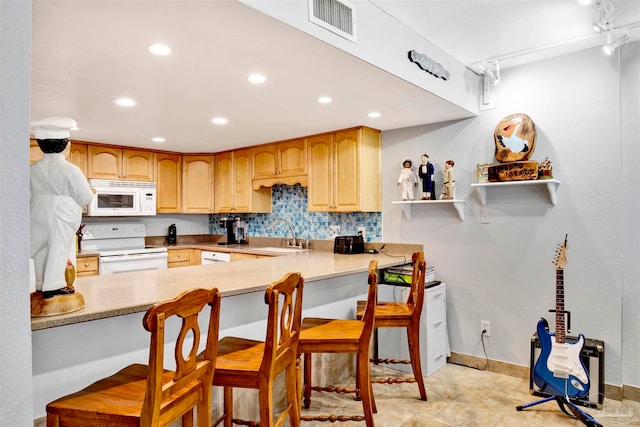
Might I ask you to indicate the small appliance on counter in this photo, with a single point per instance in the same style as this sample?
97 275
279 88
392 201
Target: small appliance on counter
172 235
349 245
236 229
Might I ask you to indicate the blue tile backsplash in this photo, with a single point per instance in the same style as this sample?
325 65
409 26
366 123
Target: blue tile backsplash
290 203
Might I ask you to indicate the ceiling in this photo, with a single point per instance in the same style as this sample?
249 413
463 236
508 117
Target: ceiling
86 53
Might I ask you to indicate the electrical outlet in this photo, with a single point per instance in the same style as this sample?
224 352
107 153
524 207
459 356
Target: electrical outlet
485 326
334 230
362 230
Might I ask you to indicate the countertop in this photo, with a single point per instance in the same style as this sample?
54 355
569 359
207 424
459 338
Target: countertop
125 293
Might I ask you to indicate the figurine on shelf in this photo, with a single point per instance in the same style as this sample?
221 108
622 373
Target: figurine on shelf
59 190
425 172
544 169
449 187
407 179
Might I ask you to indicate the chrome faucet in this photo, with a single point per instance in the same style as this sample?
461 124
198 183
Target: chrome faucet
293 234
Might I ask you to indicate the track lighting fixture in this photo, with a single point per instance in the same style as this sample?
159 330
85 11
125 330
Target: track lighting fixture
611 47
492 72
606 13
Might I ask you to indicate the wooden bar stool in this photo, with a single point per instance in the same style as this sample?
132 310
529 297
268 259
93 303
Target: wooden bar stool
255 364
141 395
404 315
343 336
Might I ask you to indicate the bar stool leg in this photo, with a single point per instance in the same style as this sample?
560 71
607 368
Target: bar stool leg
413 338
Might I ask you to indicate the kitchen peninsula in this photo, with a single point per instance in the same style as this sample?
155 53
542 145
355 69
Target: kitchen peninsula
72 350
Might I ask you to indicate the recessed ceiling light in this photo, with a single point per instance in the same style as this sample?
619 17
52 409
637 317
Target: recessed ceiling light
124 102
158 139
159 49
374 114
257 78
219 121
324 100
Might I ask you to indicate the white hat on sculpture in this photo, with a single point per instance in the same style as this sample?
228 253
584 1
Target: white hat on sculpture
52 128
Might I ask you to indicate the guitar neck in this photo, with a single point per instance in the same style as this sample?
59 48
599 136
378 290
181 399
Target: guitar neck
560 315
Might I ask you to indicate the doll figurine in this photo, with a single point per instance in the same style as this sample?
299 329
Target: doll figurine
425 172
407 179
449 187
59 190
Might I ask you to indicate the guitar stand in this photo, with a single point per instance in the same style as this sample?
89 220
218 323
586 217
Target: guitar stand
565 403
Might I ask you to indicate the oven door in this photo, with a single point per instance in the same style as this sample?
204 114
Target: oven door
113 264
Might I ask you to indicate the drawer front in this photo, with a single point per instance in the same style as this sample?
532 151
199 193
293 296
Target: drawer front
178 264
179 255
87 266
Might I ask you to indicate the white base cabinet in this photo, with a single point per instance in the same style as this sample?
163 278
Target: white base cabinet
434 340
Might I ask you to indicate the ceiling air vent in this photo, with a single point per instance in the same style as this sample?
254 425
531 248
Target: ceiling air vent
336 16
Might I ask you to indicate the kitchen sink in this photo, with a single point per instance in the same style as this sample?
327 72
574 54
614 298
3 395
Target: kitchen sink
281 249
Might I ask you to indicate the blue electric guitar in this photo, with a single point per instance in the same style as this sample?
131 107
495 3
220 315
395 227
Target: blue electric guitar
559 370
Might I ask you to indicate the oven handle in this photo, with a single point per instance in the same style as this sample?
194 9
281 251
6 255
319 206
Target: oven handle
140 257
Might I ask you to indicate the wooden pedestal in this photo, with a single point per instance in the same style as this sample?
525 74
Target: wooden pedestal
58 304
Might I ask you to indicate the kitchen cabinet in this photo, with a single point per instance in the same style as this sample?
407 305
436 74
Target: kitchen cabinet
197 183
120 164
168 183
434 340
86 266
182 257
35 153
233 187
280 163
78 154
344 171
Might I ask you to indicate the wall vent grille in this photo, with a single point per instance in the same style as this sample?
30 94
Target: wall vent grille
337 16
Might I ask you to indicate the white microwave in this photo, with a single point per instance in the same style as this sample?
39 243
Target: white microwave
122 198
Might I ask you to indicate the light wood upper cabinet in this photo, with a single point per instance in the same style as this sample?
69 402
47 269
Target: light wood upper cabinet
120 164
281 162
344 171
78 154
197 183
168 183
35 153
233 184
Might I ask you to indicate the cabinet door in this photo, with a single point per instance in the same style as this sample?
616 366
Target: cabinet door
242 184
346 171
292 158
168 181
197 184
35 153
138 165
224 182
320 173
264 161
104 163
79 156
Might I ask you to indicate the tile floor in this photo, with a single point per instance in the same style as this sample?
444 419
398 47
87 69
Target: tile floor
461 396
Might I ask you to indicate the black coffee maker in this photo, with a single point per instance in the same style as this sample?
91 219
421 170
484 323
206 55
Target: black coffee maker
172 235
235 231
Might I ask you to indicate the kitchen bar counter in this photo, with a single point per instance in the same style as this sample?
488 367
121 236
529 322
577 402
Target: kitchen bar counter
125 293
73 350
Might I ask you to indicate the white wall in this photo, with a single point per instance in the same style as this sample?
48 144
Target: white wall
630 89
15 323
502 271
158 225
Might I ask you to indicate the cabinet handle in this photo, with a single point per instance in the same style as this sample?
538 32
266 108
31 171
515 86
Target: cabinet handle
437 324
86 264
439 357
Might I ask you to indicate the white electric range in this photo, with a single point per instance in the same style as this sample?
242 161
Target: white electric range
121 248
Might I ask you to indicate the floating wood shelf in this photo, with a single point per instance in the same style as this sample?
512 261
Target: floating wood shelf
406 205
552 187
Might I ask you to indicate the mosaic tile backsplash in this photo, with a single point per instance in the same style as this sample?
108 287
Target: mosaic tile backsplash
290 203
